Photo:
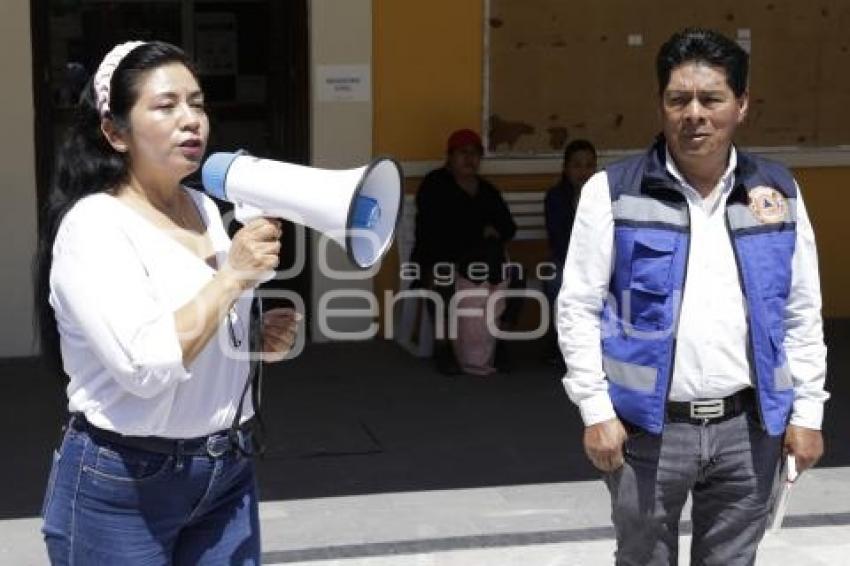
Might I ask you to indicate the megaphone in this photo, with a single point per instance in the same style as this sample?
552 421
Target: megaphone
358 208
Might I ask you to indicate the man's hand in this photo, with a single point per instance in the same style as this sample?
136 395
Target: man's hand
805 444
603 444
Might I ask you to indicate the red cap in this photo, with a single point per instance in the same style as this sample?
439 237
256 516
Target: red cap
461 138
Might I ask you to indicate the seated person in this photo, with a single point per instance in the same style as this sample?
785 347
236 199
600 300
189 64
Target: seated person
560 209
462 221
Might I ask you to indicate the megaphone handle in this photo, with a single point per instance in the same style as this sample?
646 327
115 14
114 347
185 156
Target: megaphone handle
244 214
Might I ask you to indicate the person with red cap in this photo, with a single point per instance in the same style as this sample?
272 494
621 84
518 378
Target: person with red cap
462 225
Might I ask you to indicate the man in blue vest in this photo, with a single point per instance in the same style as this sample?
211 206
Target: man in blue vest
690 322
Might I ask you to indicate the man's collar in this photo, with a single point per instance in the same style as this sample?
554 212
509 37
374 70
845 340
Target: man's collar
673 169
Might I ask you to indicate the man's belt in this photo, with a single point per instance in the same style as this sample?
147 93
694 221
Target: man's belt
715 410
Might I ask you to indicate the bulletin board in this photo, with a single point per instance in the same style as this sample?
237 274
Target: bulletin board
557 70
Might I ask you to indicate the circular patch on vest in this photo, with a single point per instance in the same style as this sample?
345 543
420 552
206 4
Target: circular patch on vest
768 205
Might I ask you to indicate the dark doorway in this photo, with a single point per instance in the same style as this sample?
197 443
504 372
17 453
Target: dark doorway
252 58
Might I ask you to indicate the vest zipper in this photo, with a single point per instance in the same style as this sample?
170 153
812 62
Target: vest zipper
750 354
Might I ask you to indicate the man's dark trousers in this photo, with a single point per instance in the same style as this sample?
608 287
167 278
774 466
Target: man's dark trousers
730 469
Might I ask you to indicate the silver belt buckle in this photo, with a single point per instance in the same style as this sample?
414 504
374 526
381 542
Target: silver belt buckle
217 445
711 409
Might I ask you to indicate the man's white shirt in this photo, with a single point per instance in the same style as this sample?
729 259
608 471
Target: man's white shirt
712 359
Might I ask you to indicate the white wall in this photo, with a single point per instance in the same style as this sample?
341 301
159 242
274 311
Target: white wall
17 165
341 136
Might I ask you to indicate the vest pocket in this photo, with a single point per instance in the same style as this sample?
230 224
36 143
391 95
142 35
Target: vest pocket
651 282
771 255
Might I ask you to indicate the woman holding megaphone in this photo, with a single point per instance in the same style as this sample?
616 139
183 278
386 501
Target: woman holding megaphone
149 302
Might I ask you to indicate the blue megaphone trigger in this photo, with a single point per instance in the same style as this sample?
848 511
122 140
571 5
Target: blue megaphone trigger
367 212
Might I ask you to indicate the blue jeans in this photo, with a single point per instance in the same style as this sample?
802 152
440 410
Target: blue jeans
108 504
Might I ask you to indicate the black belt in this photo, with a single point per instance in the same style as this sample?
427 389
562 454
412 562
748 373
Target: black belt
214 445
714 410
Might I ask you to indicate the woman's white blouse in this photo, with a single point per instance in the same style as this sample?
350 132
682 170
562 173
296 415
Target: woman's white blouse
115 284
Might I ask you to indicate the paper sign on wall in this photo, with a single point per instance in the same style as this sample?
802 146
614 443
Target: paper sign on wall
344 83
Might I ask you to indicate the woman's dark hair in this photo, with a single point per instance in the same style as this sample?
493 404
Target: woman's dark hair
576 146
706 46
572 148
86 164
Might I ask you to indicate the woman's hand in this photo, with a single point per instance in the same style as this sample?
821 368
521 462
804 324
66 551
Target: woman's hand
280 327
254 251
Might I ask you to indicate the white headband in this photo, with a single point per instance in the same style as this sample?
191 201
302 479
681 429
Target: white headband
103 76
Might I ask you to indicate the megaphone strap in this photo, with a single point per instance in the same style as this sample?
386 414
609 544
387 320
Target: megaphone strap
256 445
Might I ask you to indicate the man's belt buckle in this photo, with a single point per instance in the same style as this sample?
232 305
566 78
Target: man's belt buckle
710 409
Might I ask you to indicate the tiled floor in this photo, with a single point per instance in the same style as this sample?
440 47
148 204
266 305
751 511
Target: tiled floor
562 524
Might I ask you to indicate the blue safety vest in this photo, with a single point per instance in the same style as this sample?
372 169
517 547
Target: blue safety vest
651 246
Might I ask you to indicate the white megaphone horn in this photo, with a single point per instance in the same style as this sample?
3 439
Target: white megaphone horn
358 208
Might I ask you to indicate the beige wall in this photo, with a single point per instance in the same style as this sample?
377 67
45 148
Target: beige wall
341 137
17 165
340 34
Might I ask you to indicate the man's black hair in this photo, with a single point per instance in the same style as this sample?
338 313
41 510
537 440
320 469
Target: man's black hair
703 46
